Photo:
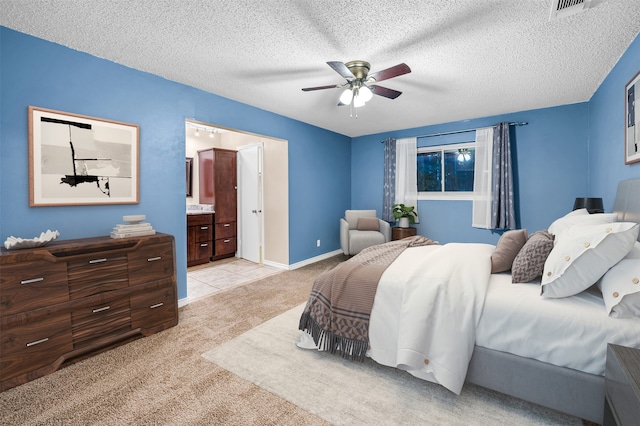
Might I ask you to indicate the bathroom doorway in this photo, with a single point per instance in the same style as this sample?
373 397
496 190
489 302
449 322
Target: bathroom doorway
274 199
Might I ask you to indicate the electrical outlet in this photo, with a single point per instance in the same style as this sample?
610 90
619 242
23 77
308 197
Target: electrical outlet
318 243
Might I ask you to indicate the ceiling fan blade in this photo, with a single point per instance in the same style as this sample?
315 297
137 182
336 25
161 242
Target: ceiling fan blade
332 86
341 69
394 71
383 91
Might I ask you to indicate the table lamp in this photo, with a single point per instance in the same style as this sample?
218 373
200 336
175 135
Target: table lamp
593 205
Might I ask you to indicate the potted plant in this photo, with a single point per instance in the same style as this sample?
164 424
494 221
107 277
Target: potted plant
404 214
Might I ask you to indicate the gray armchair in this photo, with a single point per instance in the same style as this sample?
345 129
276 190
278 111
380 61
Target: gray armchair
356 234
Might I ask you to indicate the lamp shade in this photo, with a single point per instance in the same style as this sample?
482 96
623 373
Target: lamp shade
593 205
365 94
346 96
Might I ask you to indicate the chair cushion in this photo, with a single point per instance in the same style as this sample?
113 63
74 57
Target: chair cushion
368 224
351 216
359 240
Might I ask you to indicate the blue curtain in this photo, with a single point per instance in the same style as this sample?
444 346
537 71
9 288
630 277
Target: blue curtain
502 208
389 189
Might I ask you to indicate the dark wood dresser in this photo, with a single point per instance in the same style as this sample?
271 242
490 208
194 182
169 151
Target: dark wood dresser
74 298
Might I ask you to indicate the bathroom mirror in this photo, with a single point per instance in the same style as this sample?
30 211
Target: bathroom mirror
189 176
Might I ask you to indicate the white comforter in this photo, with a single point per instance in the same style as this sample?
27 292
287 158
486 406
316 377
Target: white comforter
426 309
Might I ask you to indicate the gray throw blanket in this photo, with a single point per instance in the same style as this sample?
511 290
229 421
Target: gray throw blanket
339 306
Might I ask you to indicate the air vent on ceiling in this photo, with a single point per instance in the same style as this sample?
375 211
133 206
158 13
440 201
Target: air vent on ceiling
562 8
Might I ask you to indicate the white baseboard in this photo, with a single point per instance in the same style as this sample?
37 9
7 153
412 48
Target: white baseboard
314 259
275 264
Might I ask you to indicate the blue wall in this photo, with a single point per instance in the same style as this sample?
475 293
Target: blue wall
550 158
40 73
606 129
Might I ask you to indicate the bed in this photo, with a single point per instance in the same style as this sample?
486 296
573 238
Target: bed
542 340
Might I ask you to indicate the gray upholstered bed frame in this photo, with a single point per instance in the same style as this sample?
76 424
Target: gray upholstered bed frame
563 389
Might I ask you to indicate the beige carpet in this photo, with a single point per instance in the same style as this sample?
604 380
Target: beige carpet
351 393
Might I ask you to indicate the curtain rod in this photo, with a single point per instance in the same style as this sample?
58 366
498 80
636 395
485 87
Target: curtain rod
516 123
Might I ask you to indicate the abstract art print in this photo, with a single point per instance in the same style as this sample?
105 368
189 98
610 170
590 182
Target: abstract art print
632 122
80 160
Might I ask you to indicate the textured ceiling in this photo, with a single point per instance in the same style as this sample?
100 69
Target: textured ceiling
469 58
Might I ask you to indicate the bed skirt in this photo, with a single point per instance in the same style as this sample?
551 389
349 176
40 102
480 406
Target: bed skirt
569 391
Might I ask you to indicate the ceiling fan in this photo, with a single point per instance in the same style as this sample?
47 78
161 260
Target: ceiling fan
360 86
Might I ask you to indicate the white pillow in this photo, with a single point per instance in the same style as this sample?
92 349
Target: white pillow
620 286
583 254
567 217
573 219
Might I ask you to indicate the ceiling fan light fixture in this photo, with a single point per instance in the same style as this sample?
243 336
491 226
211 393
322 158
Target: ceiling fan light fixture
346 96
365 94
355 92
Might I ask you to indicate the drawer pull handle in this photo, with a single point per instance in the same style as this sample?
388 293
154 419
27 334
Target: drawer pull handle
98 260
157 305
37 342
95 311
226 241
153 259
227 224
204 227
204 245
34 280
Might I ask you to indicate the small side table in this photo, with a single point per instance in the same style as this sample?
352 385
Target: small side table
622 386
398 233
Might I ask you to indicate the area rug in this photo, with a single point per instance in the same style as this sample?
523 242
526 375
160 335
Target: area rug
349 393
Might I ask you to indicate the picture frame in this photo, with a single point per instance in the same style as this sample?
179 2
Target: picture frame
79 160
632 121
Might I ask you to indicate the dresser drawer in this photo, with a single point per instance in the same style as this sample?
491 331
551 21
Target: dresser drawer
225 246
98 274
108 319
154 308
34 345
153 262
32 285
225 230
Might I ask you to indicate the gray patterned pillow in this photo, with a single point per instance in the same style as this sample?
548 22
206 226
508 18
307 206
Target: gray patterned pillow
529 263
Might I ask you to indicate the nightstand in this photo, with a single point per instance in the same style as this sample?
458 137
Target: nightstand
398 233
622 386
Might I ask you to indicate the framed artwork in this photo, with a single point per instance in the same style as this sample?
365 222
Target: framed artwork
78 160
632 122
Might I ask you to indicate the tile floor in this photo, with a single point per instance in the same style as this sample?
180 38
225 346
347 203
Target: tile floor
207 279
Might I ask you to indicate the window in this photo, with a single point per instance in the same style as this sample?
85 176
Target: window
446 171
